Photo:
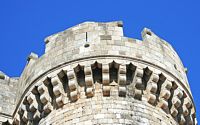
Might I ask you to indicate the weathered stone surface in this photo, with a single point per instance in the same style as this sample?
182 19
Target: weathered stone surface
112 80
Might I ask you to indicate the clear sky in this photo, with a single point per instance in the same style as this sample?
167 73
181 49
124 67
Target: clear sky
25 23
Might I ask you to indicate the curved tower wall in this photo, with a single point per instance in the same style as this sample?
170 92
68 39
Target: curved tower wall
92 74
8 87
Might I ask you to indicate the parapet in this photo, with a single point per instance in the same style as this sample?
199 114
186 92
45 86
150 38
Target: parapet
8 87
108 39
93 58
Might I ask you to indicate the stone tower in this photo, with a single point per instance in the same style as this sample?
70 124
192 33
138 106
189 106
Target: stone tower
91 74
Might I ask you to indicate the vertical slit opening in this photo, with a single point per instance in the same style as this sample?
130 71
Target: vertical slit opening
86 39
146 77
113 71
97 72
80 75
64 80
86 36
130 73
48 84
161 80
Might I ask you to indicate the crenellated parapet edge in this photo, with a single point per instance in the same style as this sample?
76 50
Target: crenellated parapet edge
80 80
167 51
82 41
8 87
92 39
88 26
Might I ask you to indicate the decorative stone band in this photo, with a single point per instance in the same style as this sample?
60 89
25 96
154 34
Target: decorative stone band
134 80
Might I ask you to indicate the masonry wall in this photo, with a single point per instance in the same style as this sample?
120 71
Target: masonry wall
58 93
108 110
105 39
92 74
8 89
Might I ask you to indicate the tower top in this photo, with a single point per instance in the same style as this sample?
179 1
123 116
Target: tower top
90 39
92 64
104 39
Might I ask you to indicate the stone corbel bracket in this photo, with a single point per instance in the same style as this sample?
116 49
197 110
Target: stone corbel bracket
149 84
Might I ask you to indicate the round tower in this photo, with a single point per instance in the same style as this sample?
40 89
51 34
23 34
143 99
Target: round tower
92 74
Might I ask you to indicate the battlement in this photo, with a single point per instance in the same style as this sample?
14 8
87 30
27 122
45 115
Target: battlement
87 32
93 59
8 87
92 39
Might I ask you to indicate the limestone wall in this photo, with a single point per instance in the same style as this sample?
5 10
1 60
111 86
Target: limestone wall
93 66
60 97
108 110
8 88
105 39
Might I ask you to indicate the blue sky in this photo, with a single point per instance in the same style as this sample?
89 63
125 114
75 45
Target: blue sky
25 23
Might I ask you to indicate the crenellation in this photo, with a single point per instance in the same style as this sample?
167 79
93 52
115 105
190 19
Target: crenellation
93 74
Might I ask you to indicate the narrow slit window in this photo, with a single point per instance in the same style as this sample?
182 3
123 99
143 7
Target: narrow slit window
86 39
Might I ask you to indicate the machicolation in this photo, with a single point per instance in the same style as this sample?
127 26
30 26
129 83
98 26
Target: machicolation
92 74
